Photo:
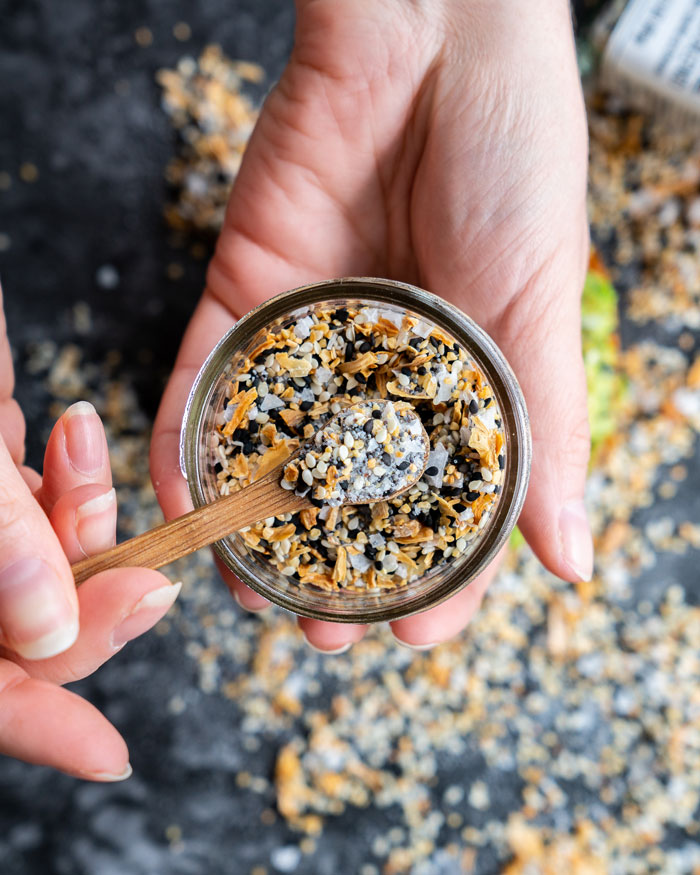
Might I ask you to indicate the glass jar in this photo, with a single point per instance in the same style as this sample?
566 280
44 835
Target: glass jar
207 400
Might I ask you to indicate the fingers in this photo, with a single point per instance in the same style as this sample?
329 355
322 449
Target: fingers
12 428
439 624
38 603
85 520
116 606
331 638
247 598
547 359
76 454
47 725
210 321
328 638
7 374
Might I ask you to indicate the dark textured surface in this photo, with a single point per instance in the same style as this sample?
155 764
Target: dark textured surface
79 101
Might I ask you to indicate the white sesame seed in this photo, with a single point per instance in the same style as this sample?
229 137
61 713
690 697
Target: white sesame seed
307 477
310 460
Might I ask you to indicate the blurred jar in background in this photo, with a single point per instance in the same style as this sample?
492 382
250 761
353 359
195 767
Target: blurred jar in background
646 52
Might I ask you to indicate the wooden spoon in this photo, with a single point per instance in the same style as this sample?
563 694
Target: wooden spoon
264 498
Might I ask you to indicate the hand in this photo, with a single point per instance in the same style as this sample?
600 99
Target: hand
441 143
51 634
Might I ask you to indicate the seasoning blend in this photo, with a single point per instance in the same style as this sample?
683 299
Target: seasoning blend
405 360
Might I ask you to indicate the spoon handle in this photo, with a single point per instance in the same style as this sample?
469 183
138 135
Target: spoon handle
197 529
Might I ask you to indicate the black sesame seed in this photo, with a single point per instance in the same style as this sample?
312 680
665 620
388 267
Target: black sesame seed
370 551
377 564
496 489
306 405
431 471
472 496
341 315
365 346
498 423
459 508
386 458
368 426
501 462
361 378
422 370
487 401
377 414
403 465
317 502
415 342
473 406
406 371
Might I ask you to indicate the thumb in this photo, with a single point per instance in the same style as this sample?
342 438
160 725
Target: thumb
38 603
545 352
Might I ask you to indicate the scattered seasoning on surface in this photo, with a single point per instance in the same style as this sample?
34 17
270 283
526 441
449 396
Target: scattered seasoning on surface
366 453
316 360
182 31
28 172
214 118
143 37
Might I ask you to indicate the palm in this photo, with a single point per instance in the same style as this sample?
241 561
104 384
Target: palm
380 153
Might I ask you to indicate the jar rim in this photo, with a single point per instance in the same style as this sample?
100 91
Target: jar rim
445 315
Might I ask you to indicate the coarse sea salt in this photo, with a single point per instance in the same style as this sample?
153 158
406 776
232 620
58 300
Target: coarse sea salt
437 459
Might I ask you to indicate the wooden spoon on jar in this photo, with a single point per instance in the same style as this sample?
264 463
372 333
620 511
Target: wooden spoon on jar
340 463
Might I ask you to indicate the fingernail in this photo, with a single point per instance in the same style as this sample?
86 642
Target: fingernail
95 523
85 442
336 652
108 776
145 614
37 618
575 540
245 607
415 646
